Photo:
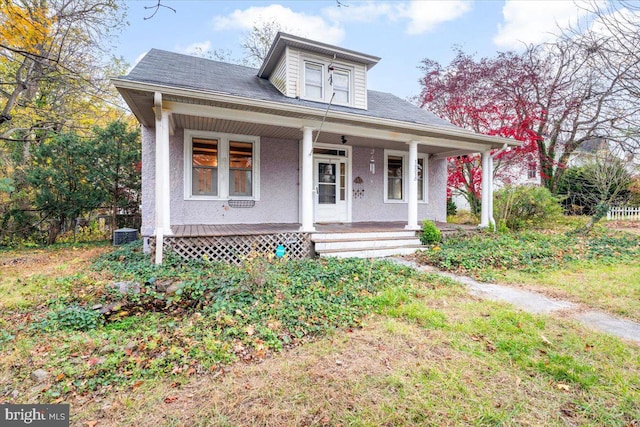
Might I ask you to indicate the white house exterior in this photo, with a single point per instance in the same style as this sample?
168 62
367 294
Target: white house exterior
300 142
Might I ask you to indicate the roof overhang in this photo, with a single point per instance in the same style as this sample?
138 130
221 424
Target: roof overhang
282 40
452 141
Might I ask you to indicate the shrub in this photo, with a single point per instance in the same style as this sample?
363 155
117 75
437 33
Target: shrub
525 205
73 318
430 233
452 209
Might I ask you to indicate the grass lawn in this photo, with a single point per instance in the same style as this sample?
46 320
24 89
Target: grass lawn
334 342
613 287
600 269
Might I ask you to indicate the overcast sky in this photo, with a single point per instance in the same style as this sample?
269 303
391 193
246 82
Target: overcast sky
402 33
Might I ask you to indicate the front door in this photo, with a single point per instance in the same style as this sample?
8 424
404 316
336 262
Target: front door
330 180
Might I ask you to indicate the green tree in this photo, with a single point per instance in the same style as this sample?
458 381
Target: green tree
59 173
117 167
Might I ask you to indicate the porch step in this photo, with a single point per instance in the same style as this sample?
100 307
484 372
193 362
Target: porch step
363 235
371 252
365 244
376 243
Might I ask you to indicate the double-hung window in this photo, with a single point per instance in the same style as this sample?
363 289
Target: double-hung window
396 176
204 167
221 166
321 79
341 84
313 81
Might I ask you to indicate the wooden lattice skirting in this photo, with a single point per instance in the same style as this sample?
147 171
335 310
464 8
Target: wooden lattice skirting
233 249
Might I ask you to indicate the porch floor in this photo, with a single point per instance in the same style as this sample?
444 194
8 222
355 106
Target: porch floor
208 230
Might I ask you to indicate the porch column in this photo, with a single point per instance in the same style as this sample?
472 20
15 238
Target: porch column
486 190
306 181
412 199
163 199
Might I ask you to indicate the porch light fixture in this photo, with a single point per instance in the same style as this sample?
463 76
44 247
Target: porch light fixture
343 139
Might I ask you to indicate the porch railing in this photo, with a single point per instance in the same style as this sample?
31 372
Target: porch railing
626 213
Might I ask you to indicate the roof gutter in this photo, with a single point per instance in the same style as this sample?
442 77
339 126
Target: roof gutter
462 134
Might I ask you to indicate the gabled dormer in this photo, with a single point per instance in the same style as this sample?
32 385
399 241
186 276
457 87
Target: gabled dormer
314 71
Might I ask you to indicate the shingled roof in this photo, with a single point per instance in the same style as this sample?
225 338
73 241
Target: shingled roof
189 72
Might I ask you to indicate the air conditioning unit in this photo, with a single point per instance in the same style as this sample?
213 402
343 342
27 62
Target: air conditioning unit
123 236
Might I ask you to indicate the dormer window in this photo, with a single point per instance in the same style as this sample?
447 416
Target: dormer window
341 86
313 87
322 79
314 71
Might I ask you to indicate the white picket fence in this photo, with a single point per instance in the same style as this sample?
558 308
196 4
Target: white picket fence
626 213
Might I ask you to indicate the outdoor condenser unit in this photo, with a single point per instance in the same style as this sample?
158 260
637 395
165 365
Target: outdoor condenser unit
123 236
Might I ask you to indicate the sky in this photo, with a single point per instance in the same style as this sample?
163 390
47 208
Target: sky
401 33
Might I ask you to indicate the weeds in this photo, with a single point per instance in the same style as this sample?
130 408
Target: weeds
530 251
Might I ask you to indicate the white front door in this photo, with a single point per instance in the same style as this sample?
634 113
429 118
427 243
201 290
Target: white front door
330 180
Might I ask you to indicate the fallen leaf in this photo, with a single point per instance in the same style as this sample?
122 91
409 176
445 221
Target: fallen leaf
92 423
545 340
137 384
59 377
170 399
490 347
563 387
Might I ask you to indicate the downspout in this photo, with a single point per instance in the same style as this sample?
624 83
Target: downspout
492 220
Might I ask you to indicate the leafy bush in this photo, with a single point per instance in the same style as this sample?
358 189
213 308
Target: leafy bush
73 318
527 251
430 233
523 206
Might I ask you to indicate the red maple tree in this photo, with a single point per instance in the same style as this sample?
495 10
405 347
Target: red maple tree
487 96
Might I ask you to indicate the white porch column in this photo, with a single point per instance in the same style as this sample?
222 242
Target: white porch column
307 192
486 190
412 198
492 221
163 199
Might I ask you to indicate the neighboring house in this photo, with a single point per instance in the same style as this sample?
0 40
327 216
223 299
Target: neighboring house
588 152
290 155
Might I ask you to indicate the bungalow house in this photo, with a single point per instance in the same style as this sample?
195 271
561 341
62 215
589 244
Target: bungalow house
297 155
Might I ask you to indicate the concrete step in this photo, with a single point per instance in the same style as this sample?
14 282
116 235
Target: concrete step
389 242
363 235
371 252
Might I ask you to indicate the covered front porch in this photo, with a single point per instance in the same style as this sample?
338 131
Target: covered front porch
234 242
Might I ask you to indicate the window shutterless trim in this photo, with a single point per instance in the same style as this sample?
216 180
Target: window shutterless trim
223 164
405 176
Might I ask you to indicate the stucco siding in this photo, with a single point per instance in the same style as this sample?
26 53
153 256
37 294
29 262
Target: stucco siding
148 181
278 189
371 207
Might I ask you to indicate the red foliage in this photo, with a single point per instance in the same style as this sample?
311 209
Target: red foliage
487 96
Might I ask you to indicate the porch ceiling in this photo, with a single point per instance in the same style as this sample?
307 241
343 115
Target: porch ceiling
182 121
240 119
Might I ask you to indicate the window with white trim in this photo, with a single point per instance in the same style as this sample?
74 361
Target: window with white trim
221 166
204 167
341 83
396 176
313 81
321 78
